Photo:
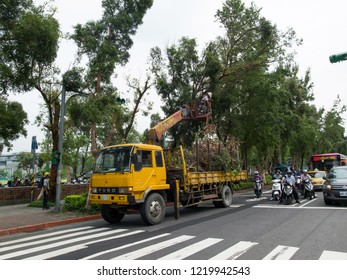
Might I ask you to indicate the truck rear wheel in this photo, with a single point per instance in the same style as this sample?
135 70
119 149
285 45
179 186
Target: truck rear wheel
227 197
111 215
153 210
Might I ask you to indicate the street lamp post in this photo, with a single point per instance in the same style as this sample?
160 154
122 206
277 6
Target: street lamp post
60 149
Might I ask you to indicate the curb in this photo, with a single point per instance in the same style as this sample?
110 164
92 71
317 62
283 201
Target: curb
44 225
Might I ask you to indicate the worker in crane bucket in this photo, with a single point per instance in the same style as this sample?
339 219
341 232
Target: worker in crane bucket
205 103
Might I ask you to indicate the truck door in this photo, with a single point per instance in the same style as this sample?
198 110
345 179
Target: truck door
160 168
145 174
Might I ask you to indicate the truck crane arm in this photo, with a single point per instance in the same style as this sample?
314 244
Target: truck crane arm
156 132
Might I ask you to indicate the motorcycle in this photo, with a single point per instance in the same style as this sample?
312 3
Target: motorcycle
276 189
308 189
257 188
287 193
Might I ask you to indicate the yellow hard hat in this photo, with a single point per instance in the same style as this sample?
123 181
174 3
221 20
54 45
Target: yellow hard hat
46 174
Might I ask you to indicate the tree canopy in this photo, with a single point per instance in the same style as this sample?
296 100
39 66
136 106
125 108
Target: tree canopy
262 108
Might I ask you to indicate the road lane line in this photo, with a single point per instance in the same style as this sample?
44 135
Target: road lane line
235 251
301 208
281 253
308 202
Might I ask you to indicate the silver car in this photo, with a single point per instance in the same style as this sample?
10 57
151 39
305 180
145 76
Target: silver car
335 187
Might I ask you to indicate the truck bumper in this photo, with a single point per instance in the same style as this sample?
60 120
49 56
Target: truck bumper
112 199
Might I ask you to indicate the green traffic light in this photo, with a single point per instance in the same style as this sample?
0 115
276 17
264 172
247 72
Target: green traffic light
338 57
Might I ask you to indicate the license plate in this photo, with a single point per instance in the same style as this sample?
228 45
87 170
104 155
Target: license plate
343 193
104 197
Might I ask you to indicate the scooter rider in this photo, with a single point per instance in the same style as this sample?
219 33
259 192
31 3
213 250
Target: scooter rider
277 175
257 188
290 179
305 176
257 177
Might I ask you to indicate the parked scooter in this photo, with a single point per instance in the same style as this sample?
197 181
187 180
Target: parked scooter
287 193
308 189
257 188
276 189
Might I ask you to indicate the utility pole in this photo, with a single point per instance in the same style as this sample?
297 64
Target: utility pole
59 154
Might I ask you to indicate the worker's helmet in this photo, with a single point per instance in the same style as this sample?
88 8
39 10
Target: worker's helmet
46 174
256 172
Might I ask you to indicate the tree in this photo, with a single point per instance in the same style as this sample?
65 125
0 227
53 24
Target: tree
26 162
181 76
235 68
28 48
106 43
12 122
331 137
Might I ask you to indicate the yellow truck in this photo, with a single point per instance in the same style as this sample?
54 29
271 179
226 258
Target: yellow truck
130 178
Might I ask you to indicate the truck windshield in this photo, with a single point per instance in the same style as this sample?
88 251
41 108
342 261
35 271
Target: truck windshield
114 160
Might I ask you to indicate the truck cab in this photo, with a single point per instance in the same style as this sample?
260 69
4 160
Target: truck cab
124 176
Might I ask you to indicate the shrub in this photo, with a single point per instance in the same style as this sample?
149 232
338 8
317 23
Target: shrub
38 203
75 202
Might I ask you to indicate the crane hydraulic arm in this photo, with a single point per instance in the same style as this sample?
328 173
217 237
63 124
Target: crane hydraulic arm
200 109
156 132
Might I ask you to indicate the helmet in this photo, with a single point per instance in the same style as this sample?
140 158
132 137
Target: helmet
46 174
305 171
289 171
256 172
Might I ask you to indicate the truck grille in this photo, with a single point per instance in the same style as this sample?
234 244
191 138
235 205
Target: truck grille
107 190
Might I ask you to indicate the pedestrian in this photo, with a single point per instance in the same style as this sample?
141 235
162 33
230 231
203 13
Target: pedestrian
40 186
45 188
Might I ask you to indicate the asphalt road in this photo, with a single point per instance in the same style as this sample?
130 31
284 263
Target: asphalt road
252 229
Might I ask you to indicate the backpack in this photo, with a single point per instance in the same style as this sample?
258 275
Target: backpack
40 183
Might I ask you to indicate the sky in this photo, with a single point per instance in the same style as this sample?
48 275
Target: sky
320 24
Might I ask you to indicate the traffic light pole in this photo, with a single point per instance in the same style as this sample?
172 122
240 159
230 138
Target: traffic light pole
60 149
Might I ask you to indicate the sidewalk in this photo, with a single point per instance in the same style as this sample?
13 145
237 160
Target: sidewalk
21 218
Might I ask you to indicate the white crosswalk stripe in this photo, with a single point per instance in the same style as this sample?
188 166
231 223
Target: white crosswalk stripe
281 253
41 236
58 243
153 248
235 251
70 249
191 249
332 255
124 246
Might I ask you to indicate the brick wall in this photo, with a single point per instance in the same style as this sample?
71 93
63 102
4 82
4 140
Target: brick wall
16 195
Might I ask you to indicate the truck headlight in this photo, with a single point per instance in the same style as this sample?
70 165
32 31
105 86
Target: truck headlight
124 190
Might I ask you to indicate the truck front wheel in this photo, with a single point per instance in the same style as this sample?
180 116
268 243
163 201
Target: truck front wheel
111 215
153 210
227 197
